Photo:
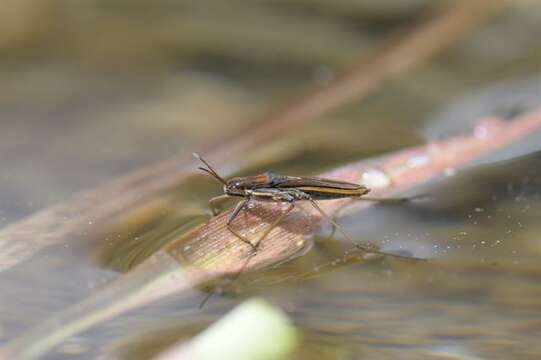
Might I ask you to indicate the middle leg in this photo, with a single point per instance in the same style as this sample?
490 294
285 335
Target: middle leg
255 246
241 205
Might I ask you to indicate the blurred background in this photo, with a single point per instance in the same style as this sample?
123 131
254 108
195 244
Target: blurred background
92 89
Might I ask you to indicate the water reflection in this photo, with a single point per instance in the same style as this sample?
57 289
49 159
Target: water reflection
477 296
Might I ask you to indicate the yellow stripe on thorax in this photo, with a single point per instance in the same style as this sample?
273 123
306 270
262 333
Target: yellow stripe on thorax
330 191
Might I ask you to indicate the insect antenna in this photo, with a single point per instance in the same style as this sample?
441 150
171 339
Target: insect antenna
209 170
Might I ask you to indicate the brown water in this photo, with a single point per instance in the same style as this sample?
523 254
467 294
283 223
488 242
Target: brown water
89 112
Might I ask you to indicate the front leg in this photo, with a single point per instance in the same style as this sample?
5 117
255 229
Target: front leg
214 200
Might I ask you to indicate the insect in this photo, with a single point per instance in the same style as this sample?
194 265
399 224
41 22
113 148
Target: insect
287 189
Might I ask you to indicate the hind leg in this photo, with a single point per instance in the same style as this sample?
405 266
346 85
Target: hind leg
384 201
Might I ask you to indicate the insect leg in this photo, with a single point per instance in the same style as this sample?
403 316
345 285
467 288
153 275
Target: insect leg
240 205
384 201
358 245
214 200
231 278
237 274
274 224
236 211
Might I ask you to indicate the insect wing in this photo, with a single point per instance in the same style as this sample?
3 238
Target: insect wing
251 182
299 182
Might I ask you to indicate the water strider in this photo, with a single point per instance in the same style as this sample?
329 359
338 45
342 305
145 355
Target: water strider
288 189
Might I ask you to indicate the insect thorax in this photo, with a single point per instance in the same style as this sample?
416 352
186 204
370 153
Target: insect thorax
231 191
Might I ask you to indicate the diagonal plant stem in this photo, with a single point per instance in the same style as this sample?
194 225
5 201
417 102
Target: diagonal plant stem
21 240
211 250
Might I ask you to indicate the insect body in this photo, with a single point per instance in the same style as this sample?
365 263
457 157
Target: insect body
288 189
270 186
